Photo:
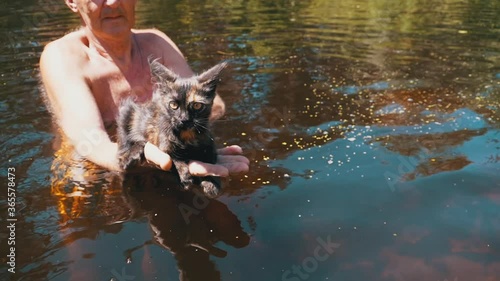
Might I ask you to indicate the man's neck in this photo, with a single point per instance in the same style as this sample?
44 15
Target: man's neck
117 49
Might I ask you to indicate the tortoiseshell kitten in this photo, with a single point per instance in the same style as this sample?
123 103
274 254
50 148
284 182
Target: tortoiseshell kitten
175 120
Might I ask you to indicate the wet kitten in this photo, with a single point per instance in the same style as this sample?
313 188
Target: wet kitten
175 120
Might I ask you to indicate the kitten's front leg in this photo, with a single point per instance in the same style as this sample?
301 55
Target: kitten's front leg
131 154
185 177
211 186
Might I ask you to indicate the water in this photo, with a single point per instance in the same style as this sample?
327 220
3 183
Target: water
372 129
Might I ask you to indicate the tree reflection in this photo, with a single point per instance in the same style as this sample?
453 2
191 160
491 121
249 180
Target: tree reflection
298 65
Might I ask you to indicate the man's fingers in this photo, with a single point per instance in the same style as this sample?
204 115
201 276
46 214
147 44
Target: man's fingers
236 167
201 169
221 169
230 150
222 159
157 157
231 158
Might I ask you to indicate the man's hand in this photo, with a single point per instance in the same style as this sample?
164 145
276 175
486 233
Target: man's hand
229 161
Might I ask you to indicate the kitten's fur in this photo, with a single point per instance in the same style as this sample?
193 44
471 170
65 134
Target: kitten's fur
175 120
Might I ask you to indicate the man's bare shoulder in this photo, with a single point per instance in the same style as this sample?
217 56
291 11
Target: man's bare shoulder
68 49
155 39
158 45
151 34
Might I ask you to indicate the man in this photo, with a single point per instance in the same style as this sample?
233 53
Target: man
88 72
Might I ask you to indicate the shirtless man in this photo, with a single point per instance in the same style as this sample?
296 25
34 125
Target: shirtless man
89 71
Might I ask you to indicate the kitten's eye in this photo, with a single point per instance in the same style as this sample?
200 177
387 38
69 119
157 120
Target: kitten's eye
197 106
173 105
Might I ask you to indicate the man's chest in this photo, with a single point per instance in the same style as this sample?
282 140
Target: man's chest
110 87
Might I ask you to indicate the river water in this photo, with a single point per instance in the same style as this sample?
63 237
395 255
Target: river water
372 128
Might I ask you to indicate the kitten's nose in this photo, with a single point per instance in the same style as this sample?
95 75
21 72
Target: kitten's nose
187 124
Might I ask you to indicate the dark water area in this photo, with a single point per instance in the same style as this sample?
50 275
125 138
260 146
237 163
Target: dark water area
372 128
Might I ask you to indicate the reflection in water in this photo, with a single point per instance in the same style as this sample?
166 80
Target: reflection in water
187 224
92 201
372 121
83 188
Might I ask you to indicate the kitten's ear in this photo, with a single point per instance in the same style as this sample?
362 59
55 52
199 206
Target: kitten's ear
210 78
160 73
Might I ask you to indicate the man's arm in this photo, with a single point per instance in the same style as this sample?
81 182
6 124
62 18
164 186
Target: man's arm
75 109
74 106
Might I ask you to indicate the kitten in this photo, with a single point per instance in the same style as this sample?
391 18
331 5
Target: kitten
175 120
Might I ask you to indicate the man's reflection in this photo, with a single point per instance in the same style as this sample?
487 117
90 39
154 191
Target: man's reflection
186 223
91 200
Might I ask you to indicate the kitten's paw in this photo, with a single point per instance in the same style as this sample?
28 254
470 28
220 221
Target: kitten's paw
210 188
126 161
132 155
186 184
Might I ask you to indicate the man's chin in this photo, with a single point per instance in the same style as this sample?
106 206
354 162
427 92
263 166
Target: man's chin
117 31
115 26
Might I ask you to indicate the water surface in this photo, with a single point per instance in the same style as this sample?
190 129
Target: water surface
372 129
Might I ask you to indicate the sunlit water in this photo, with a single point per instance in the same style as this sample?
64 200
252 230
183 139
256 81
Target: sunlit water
372 127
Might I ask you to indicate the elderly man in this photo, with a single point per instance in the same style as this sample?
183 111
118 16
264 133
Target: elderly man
88 72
